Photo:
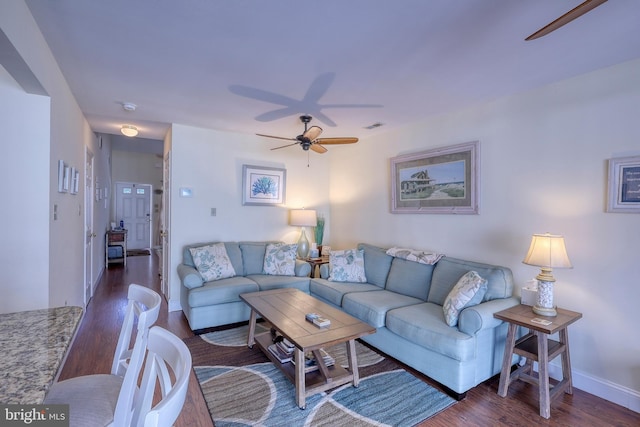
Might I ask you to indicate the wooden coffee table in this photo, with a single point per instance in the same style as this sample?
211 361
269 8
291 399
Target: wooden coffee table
285 310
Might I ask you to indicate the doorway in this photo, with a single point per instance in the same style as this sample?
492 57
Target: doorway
133 207
89 233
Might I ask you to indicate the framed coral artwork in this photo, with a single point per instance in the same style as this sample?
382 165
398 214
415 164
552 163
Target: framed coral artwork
263 186
438 181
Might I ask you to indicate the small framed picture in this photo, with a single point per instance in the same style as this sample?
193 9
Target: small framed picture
624 185
263 186
63 174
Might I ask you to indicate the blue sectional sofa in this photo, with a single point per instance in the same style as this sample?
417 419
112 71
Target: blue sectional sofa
215 303
404 301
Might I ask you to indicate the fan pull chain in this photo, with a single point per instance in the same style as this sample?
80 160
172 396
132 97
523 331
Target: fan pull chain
307 158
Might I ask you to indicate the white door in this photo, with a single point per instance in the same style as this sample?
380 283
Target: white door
165 215
88 227
133 206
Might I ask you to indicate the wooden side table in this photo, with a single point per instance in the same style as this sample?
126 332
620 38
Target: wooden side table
536 346
315 262
116 238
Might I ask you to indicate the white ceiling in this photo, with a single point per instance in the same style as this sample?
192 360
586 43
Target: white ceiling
203 62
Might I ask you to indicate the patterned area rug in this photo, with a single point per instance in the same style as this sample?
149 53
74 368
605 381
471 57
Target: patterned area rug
243 388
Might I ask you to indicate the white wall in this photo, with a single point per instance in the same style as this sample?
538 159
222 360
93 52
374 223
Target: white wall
24 120
210 163
67 135
543 169
141 168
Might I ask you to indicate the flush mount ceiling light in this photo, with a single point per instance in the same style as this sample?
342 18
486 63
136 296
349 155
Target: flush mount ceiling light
129 130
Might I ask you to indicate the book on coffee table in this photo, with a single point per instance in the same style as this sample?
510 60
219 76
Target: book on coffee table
280 354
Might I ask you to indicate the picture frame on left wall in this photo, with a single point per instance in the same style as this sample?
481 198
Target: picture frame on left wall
263 186
63 176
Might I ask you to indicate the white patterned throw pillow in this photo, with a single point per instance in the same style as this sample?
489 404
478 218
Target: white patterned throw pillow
347 266
280 259
469 291
422 257
212 262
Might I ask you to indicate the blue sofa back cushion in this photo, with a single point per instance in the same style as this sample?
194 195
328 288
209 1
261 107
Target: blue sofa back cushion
233 252
376 264
253 256
409 278
449 270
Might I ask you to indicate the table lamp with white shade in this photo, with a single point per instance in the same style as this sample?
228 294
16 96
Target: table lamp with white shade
546 251
303 218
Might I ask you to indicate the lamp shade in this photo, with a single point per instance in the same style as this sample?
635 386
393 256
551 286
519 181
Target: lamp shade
547 250
303 217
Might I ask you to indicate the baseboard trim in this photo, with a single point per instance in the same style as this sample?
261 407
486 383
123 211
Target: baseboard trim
602 388
174 305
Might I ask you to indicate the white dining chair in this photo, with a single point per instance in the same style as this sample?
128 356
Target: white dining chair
164 351
107 399
144 304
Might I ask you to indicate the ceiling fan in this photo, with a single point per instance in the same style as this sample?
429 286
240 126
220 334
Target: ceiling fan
309 138
574 13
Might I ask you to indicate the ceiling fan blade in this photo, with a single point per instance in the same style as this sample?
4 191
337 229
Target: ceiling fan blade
574 13
284 146
347 140
277 137
312 133
318 148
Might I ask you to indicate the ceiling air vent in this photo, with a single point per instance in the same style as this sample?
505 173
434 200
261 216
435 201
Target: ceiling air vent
373 126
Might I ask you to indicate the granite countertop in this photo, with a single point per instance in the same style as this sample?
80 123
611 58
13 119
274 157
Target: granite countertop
33 346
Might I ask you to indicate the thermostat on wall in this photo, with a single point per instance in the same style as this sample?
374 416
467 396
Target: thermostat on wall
186 192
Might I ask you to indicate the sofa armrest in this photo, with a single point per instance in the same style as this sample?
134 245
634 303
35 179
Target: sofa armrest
479 317
324 271
302 268
189 276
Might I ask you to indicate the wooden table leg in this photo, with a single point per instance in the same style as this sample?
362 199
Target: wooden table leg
566 360
252 329
543 375
300 378
505 373
353 361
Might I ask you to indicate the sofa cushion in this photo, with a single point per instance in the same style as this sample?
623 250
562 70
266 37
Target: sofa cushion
423 324
372 307
347 266
335 291
469 291
376 264
409 278
280 259
448 270
233 252
212 262
266 282
221 291
253 256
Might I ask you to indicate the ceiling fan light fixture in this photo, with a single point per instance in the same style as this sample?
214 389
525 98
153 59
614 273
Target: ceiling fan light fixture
129 130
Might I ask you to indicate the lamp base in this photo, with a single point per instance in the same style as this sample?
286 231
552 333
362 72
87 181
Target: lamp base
544 311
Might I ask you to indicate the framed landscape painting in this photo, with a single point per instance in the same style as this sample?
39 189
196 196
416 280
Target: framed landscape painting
624 185
263 186
439 181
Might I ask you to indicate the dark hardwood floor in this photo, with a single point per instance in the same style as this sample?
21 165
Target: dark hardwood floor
94 345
